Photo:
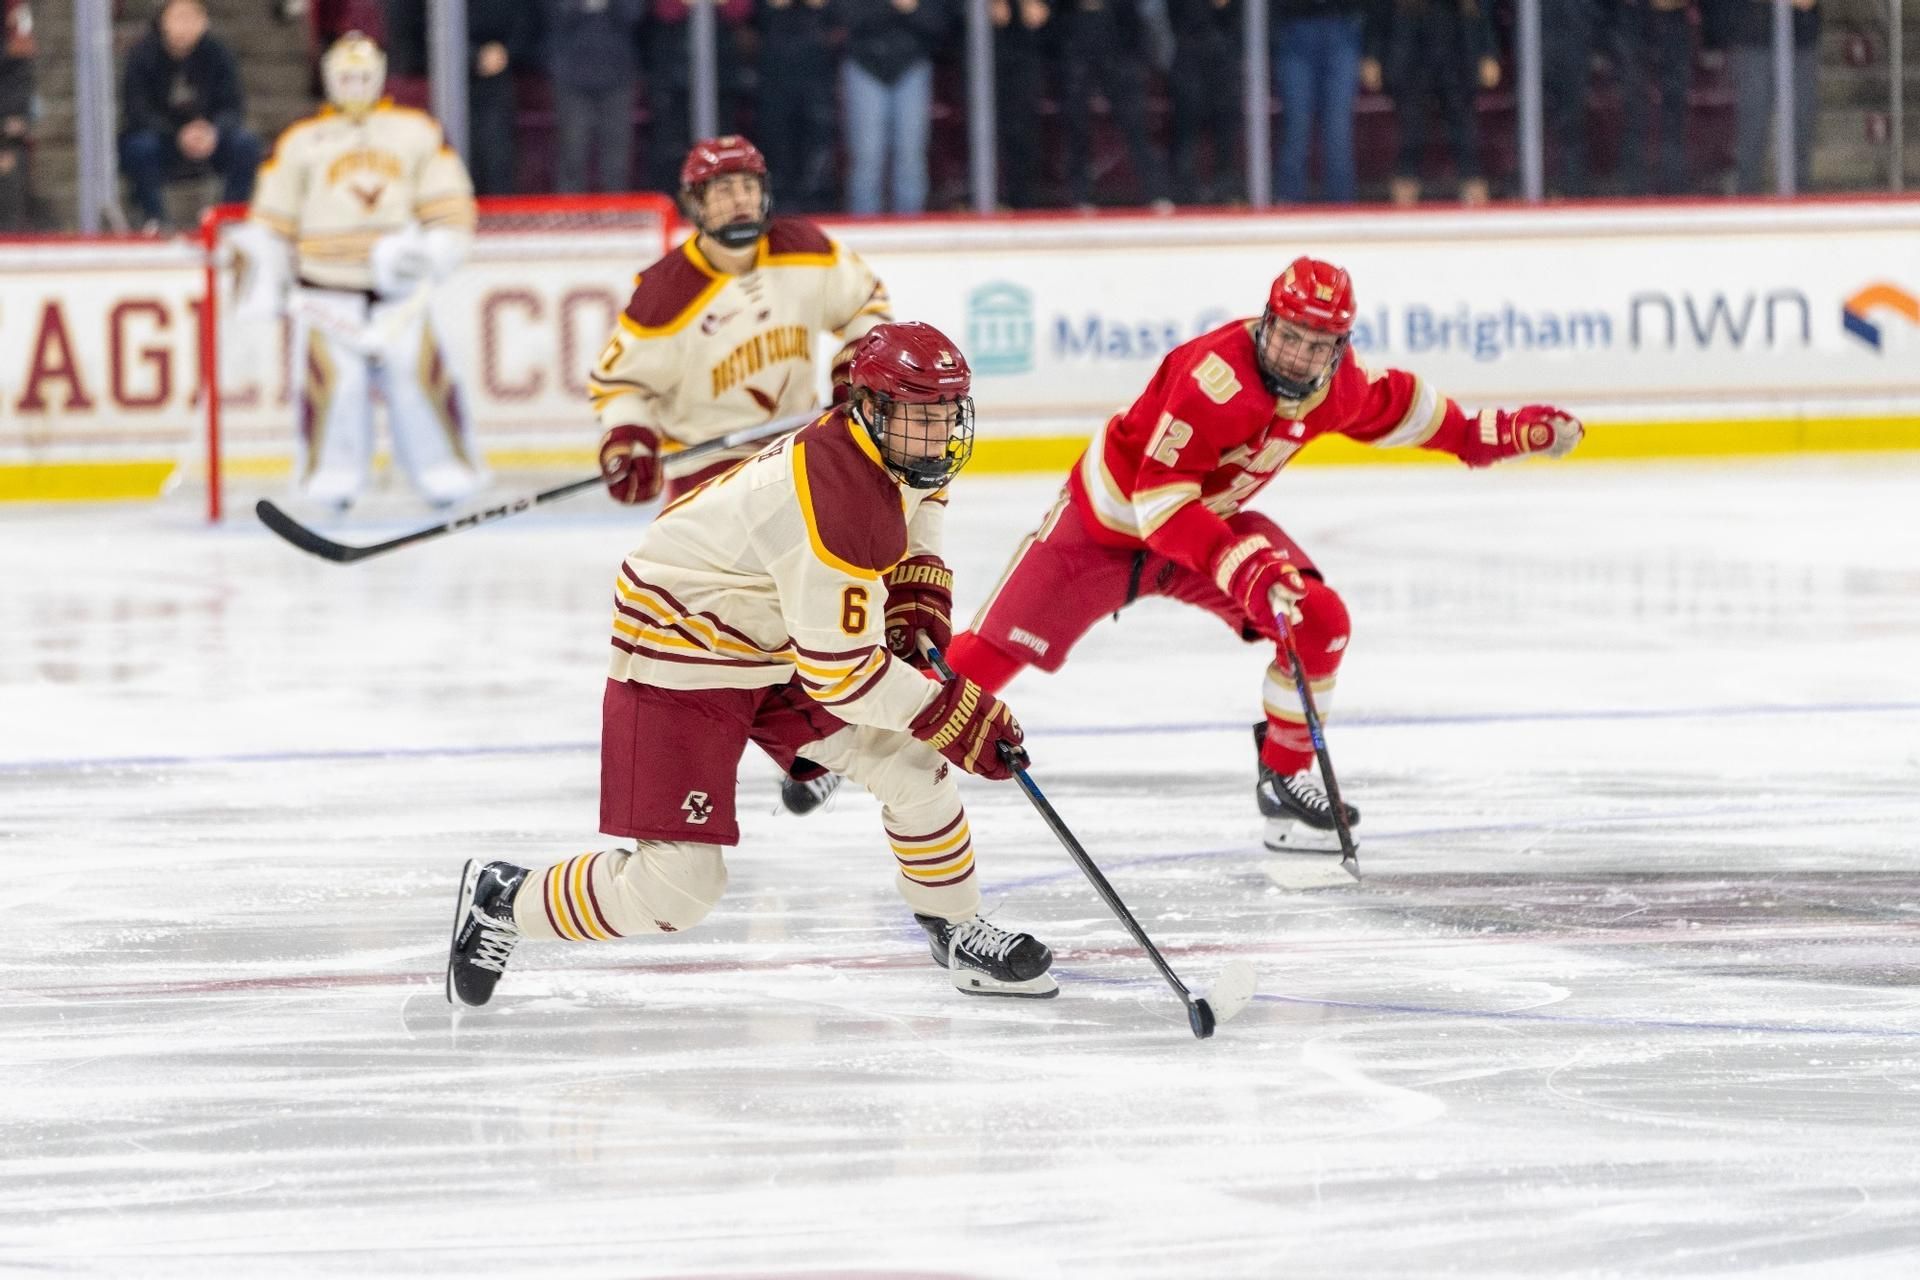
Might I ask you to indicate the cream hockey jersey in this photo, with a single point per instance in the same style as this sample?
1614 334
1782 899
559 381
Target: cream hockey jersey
774 569
699 353
336 183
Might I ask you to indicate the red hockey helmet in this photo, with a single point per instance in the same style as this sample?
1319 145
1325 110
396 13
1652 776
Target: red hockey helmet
1313 295
911 391
716 158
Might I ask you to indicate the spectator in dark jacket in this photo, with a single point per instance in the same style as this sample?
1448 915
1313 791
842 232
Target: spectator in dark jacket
503 38
593 59
796 113
1439 52
1104 48
1744 28
1021 30
16 111
1316 69
1208 101
180 106
670 81
887 80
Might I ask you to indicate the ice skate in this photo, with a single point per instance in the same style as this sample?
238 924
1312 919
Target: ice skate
1298 813
986 960
484 934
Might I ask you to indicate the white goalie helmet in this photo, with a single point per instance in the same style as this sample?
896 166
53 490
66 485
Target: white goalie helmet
354 73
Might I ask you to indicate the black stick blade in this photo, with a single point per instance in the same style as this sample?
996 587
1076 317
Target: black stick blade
292 531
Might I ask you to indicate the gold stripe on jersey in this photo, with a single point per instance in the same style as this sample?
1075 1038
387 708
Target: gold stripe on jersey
764 258
671 619
805 491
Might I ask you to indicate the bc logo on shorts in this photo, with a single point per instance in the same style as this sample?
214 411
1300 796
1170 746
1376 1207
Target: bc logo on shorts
698 807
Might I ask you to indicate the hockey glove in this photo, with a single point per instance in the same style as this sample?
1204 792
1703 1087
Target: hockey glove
630 463
1262 582
919 598
1538 428
966 724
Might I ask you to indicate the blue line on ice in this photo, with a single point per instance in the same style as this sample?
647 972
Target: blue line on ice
1347 722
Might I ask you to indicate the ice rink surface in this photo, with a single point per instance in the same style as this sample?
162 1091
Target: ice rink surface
1632 986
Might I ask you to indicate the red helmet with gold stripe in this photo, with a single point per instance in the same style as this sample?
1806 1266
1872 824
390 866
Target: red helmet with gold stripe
1304 333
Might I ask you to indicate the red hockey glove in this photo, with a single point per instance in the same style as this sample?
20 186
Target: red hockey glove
1538 428
630 463
966 724
919 598
1261 581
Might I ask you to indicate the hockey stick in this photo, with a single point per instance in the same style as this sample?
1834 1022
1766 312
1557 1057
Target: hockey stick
1349 852
1231 991
341 553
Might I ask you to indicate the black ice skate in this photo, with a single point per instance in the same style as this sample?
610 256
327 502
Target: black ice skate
1299 816
985 960
484 935
802 798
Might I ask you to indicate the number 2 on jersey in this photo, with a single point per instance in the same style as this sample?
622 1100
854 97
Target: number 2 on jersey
1169 438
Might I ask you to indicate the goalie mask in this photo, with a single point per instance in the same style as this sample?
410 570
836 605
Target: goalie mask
1304 332
354 73
910 389
716 158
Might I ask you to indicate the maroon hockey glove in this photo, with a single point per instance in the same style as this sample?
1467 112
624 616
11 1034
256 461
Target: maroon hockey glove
919 598
1261 581
966 724
1538 428
630 463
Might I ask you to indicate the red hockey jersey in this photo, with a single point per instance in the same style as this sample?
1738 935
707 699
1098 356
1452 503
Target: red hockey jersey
1207 435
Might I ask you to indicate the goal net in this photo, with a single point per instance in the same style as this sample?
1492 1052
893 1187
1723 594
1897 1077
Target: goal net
521 323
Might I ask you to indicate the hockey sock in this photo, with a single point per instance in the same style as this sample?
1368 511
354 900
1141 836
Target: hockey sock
982 662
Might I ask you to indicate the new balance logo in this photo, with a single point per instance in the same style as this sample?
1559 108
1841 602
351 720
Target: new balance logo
1027 638
698 807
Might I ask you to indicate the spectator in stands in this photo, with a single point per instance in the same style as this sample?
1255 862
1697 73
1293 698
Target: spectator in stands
1744 28
1316 69
181 109
1104 49
1568 30
670 87
795 115
16 115
1021 29
593 61
501 38
1653 50
887 81
1208 101
1438 52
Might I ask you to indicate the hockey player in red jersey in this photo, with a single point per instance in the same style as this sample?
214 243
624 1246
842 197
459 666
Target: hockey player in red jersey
1153 507
777 604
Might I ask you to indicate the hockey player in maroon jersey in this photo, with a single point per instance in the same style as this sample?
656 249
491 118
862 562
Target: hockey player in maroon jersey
778 604
1153 507
719 336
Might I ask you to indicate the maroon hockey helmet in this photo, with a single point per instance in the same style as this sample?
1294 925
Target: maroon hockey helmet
911 390
716 158
1309 294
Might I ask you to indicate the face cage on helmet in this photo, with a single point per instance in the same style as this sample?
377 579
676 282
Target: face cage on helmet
734 235
877 413
1288 388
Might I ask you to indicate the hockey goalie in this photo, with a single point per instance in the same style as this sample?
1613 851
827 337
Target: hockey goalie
360 213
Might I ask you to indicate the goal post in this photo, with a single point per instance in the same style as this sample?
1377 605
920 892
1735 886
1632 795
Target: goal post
521 323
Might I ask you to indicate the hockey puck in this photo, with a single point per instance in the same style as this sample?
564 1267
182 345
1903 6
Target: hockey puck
1200 1018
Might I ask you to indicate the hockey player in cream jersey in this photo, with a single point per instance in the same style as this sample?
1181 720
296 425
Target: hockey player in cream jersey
373 208
757 608
720 333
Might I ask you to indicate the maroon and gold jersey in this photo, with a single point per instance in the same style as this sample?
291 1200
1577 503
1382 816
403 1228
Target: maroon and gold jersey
1207 435
775 569
699 353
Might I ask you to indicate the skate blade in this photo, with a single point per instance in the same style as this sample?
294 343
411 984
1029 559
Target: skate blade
970 983
1232 991
1307 871
469 881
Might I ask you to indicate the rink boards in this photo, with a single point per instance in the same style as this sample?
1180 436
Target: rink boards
1673 329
